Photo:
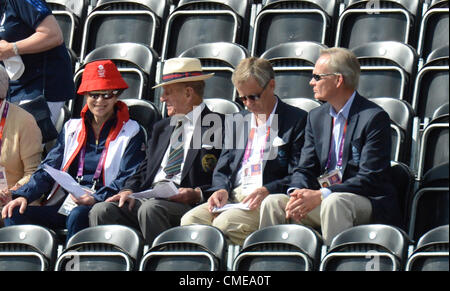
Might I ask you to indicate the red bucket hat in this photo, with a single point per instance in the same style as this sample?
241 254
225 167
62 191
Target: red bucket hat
101 75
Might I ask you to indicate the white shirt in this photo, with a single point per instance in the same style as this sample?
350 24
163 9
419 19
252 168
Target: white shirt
189 121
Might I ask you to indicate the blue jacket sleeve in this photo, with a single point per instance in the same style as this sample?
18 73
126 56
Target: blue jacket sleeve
134 154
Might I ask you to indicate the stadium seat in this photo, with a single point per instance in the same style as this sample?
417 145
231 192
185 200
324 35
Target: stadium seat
286 247
121 21
59 124
440 111
102 248
221 59
222 105
388 69
433 32
195 22
27 248
429 205
370 247
187 248
403 178
431 88
136 63
401 114
431 252
303 103
293 64
144 112
364 21
282 21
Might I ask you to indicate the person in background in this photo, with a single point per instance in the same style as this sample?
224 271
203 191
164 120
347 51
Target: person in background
100 150
29 30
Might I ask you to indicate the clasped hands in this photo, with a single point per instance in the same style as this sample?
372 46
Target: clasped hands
301 202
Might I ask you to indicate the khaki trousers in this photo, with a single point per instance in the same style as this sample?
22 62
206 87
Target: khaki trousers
236 224
337 212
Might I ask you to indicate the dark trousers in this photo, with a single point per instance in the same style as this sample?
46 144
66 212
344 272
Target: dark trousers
48 216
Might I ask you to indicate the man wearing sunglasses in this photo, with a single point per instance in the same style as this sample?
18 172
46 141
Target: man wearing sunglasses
347 151
266 141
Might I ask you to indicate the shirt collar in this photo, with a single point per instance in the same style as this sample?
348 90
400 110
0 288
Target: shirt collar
195 113
269 121
345 110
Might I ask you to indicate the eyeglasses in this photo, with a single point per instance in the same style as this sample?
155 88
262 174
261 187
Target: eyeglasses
105 96
253 97
318 77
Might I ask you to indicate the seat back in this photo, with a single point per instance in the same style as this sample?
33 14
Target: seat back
196 22
27 248
293 64
303 103
367 247
222 105
286 247
292 21
144 112
187 248
102 248
404 184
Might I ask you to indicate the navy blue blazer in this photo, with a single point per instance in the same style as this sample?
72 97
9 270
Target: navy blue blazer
290 133
199 163
366 157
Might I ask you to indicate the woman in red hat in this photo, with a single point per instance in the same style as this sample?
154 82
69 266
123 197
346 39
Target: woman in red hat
100 150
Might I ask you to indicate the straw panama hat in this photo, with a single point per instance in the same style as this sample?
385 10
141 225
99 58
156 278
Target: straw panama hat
178 70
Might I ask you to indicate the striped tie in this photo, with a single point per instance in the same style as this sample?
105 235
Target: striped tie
176 153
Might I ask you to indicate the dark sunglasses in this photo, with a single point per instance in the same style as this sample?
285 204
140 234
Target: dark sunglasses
105 96
253 97
319 77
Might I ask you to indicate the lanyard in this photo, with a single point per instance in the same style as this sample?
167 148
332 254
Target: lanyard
3 121
248 149
341 147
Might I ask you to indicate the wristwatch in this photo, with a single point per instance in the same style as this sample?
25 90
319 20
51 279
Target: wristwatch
15 49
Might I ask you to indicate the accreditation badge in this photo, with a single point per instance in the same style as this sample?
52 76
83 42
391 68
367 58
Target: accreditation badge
3 181
251 177
330 178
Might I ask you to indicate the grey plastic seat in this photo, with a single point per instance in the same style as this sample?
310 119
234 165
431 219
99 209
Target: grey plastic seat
431 252
282 21
286 247
27 248
402 115
144 112
220 58
404 178
364 21
367 247
120 21
388 69
194 22
303 103
102 248
222 105
187 248
293 63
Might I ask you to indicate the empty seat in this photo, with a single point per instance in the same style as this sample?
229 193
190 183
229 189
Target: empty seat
281 21
431 252
431 88
303 103
402 115
135 62
195 22
433 32
27 248
120 21
102 248
222 105
187 248
403 178
287 247
144 112
371 247
293 64
364 21
221 59
388 69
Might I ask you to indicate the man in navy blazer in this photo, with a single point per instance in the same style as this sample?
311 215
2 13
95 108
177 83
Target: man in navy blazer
262 146
191 166
343 177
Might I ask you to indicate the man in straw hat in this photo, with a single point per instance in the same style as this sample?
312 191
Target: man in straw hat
188 164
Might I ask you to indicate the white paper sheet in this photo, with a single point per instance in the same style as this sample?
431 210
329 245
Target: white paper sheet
67 182
161 190
231 206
